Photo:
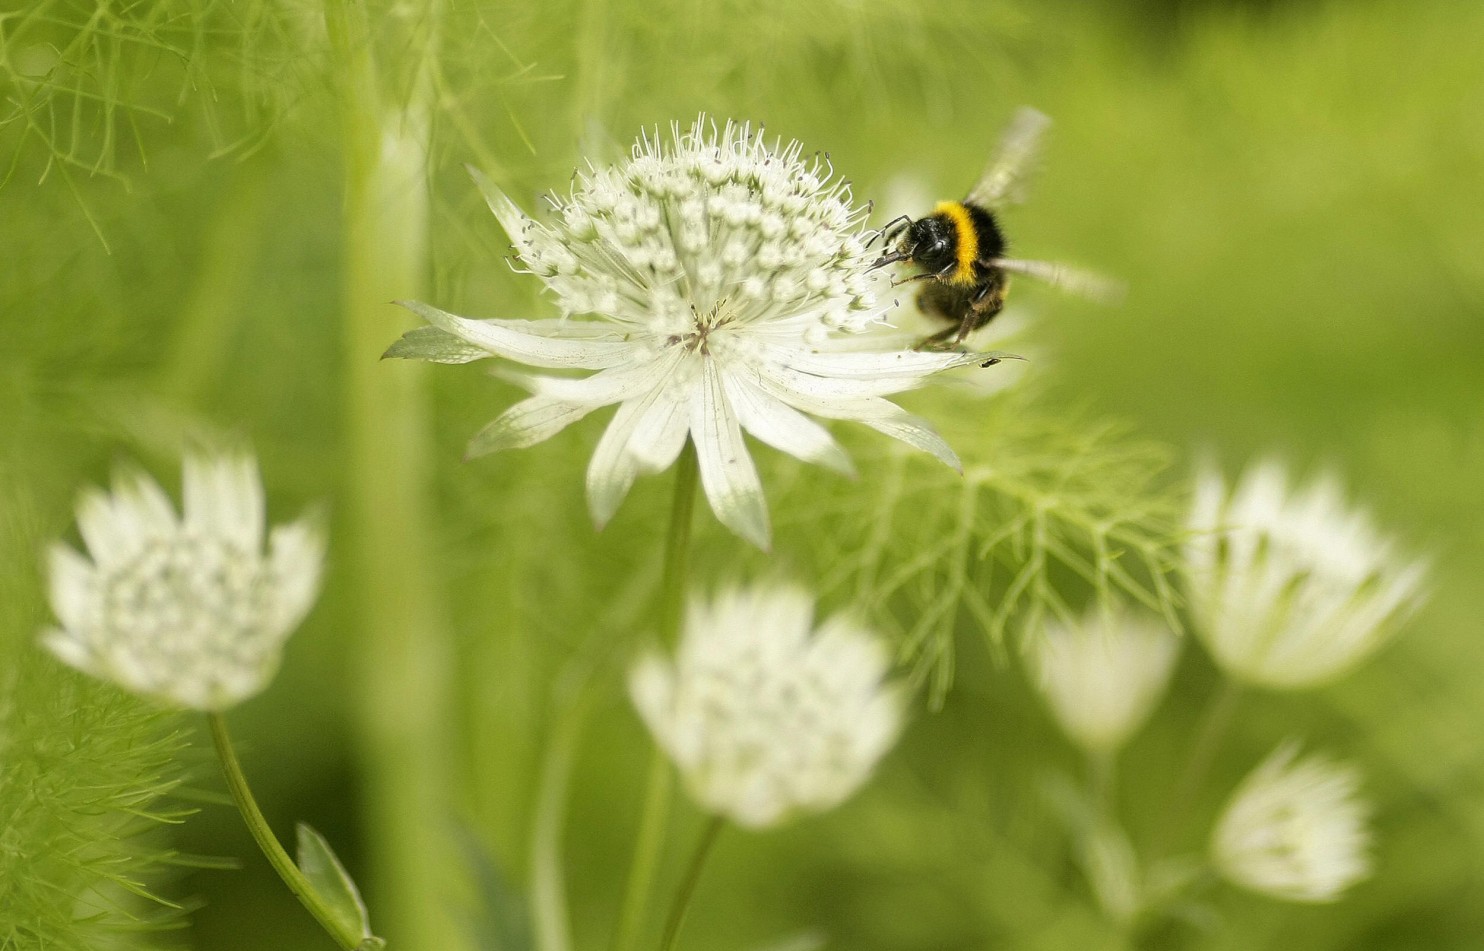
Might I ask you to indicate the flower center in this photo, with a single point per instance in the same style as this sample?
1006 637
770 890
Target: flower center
184 599
698 339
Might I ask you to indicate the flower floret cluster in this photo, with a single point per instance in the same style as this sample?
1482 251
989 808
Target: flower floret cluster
1295 829
189 609
1289 587
765 716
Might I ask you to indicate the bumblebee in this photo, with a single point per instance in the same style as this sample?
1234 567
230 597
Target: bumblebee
960 249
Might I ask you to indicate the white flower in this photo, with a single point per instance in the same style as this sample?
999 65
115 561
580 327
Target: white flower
189 610
1104 674
764 717
1294 830
1292 589
723 275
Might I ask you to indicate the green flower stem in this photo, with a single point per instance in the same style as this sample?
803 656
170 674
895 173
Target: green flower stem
688 884
268 842
1215 722
1102 768
652 823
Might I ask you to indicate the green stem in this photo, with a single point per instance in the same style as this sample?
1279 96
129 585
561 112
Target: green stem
1215 722
1102 770
651 837
268 842
688 884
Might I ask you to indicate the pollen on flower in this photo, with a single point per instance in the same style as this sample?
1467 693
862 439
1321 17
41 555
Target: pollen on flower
711 210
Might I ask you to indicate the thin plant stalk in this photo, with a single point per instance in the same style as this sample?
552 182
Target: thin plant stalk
405 670
687 888
1215 722
653 821
277 856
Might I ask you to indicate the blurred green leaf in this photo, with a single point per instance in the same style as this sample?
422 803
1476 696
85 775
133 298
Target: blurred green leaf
334 885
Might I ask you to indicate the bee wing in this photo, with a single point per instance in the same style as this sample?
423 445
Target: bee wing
1088 284
1016 153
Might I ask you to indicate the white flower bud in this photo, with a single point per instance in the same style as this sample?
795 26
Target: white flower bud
1102 676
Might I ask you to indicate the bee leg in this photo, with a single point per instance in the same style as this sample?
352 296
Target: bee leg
986 302
889 230
939 340
964 328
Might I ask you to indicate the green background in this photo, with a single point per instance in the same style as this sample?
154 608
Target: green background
1291 191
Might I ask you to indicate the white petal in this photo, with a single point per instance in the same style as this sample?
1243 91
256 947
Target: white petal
660 432
881 415
915 432
613 385
519 340
507 213
727 472
911 366
611 471
224 499
784 428
71 581
296 558
615 464
148 502
836 388
525 424
110 531
71 650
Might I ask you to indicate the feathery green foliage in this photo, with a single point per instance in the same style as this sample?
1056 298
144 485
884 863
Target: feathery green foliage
86 782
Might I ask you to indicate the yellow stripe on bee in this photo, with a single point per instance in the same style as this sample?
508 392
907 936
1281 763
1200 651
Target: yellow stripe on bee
968 240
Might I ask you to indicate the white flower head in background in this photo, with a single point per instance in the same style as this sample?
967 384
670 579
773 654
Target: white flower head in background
1292 589
1295 829
765 716
717 284
1103 675
186 609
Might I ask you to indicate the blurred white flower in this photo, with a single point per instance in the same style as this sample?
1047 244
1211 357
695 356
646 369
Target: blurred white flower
1103 675
724 275
190 610
1295 829
764 717
1288 588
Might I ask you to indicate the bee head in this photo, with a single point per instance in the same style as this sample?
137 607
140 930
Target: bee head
926 242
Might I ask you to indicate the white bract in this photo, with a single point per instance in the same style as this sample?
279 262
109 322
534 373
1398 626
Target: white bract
1295 829
717 285
191 609
1291 589
1102 675
764 717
